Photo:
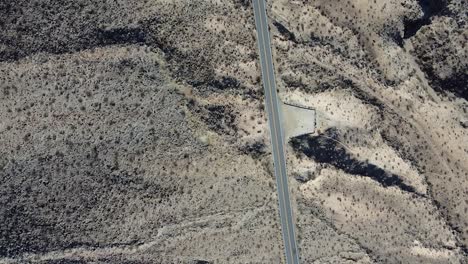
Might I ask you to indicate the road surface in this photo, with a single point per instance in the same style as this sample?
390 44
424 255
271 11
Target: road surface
277 140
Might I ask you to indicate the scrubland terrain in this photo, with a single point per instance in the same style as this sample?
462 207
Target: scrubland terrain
133 132
385 179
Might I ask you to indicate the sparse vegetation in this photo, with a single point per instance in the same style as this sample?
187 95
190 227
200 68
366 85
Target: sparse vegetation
381 90
123 135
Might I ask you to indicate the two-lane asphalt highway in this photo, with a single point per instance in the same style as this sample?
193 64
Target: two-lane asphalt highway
276 131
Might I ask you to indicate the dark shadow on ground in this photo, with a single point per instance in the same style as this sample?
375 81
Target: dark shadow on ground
326 150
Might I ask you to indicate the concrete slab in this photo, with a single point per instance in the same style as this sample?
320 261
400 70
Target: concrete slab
298 120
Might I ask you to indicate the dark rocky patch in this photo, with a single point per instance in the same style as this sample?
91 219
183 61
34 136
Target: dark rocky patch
200 261
222 84
397 38
293 82
219 118
254 94
304 176
326 79
244 3
256 149
285 32
435 49
192 68
364 96
456 83
464 123
430 8
326 150
120 36
226 82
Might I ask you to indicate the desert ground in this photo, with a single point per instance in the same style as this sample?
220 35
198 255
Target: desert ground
385 178
135 131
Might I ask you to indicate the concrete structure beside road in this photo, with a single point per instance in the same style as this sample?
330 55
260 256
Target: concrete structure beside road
298 120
